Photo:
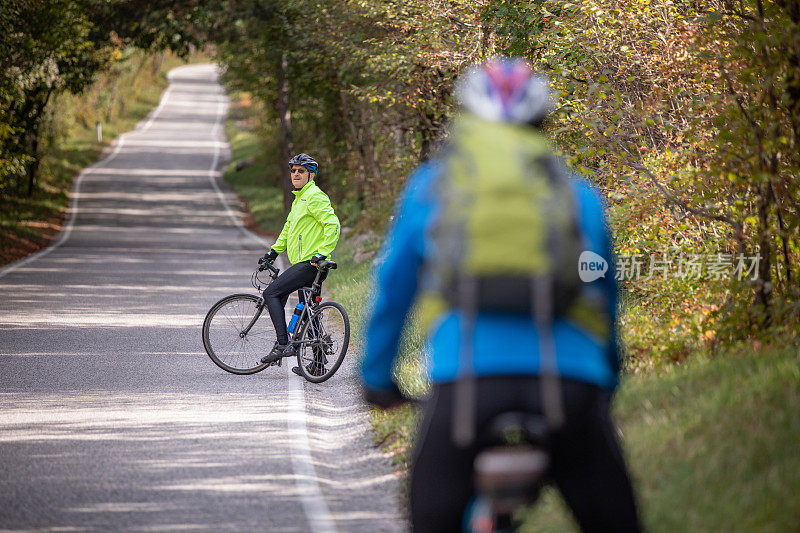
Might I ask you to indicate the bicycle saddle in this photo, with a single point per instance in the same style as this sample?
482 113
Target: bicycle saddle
328 265
510 473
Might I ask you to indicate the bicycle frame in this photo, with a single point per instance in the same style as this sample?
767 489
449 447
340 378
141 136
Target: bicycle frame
304 314
508 475
311 296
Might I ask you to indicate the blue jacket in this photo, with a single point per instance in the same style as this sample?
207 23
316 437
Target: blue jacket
503 344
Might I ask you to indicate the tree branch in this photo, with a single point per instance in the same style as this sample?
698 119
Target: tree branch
739 102
681 203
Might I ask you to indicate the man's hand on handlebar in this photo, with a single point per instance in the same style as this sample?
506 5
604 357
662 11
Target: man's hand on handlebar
316 260
268 259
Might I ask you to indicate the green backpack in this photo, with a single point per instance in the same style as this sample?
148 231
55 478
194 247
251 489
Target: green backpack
507 217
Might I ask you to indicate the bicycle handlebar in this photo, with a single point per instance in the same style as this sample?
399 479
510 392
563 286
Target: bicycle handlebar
263 264
327 265
323 266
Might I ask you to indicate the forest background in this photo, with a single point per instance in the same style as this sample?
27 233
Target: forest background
684 113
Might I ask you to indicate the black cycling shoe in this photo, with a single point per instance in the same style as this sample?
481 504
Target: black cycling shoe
268 358
279 351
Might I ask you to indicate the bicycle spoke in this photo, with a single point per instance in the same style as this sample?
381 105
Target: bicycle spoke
228 347
222 335
231 320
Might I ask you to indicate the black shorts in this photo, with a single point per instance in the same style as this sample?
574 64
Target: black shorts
586 463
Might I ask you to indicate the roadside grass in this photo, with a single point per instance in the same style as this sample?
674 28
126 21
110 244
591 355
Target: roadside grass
119 99
712 443
256 184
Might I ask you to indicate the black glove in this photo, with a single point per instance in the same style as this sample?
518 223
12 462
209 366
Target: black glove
384 398
317 258
269 257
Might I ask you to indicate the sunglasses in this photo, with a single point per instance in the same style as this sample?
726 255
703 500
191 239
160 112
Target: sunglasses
297 170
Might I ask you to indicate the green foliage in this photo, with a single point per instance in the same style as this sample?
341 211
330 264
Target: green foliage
37 58
368 84
685 115
49 48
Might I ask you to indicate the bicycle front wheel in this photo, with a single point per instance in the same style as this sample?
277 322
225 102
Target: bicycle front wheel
226 341
323 342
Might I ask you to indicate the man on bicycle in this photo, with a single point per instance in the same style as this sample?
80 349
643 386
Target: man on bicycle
309 236
525 340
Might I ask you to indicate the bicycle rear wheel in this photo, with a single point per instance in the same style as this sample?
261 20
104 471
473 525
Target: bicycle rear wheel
224 338
323 342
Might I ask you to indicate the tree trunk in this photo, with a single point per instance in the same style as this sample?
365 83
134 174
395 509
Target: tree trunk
366 149
764 289
486 33
352 142
285 117
428 138
33 166
32 141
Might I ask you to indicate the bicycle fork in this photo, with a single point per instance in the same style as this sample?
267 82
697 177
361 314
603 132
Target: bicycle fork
249 326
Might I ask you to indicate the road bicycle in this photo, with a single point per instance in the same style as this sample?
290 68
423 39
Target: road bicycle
238 332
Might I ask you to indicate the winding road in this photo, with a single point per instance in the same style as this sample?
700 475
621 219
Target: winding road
112 417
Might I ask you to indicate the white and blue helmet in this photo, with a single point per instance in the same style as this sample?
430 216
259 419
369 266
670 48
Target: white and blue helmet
505 89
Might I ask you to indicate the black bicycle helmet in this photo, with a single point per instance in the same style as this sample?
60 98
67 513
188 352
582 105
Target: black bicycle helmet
304 160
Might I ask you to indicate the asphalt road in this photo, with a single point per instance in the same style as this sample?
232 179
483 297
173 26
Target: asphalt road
112 417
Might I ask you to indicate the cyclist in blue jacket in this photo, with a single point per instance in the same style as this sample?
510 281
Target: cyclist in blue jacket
587 465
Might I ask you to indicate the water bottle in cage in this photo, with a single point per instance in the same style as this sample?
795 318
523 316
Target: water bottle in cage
298 310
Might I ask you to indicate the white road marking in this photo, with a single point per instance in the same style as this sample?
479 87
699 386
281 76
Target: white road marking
305 475
160 104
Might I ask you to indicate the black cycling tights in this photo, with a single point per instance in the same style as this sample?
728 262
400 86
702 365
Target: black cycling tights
277 293
586 463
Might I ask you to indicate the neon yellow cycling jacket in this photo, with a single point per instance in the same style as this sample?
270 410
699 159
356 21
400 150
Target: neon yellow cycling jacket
311 227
